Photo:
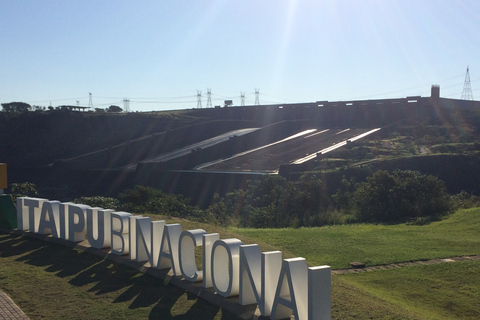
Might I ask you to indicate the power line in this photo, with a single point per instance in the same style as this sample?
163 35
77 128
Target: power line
126 105
199 99
90 102
209 98
467 88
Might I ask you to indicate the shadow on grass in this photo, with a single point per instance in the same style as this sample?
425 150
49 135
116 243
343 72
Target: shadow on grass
104 276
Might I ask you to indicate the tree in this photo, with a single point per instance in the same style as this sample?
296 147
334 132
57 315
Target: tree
266 202
401 196
22 189
16 107
311 201
99 201
143 199
343 199
114 108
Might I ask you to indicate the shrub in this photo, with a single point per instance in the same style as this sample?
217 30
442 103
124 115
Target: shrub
402 196
22 189
99 201
465 200
143 199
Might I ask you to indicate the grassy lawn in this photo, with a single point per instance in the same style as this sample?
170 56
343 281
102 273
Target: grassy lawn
440 291
377 244
50 281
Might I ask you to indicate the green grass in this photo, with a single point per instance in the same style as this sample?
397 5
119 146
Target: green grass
440 291
50 281
377 244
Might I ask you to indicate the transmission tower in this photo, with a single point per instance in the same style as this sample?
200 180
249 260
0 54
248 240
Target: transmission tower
257 96
242 96
126 105
209 98
199 99
90 102
467 88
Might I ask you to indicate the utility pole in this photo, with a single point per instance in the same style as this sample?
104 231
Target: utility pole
126 105
257 96
467 88
209 98
199 99
90 102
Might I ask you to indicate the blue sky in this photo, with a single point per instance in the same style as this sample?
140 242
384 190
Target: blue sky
159 53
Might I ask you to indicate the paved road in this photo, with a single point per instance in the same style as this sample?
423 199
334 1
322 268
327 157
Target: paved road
9 310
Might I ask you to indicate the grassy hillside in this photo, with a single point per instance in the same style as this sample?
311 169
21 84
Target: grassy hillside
441 291
377 244
32 272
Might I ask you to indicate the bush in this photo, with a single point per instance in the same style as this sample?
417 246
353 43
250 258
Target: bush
98 201
22 189
135 200
274 202
402 196
465 200
143 199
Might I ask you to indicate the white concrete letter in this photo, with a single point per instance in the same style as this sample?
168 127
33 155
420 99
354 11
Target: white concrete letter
98 227
190 239
225 267
259 272
169 248
76 222
119 221
208 241
32 211
50 218
148 239
250 275
63 213
22 214
292 290
319 293
271 267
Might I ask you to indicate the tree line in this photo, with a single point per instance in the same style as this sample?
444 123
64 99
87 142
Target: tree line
20 107
274 202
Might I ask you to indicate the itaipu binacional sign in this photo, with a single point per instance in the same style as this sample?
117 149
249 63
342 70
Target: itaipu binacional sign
278 286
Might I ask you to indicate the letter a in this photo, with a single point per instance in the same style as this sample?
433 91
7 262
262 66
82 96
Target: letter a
292 290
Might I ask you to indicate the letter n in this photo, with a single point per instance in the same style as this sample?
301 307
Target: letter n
148 238
259 273
169 249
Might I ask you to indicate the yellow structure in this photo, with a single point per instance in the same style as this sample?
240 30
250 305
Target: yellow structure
3 176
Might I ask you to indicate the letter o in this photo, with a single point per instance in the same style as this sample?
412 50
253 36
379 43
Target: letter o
190 239
226 267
